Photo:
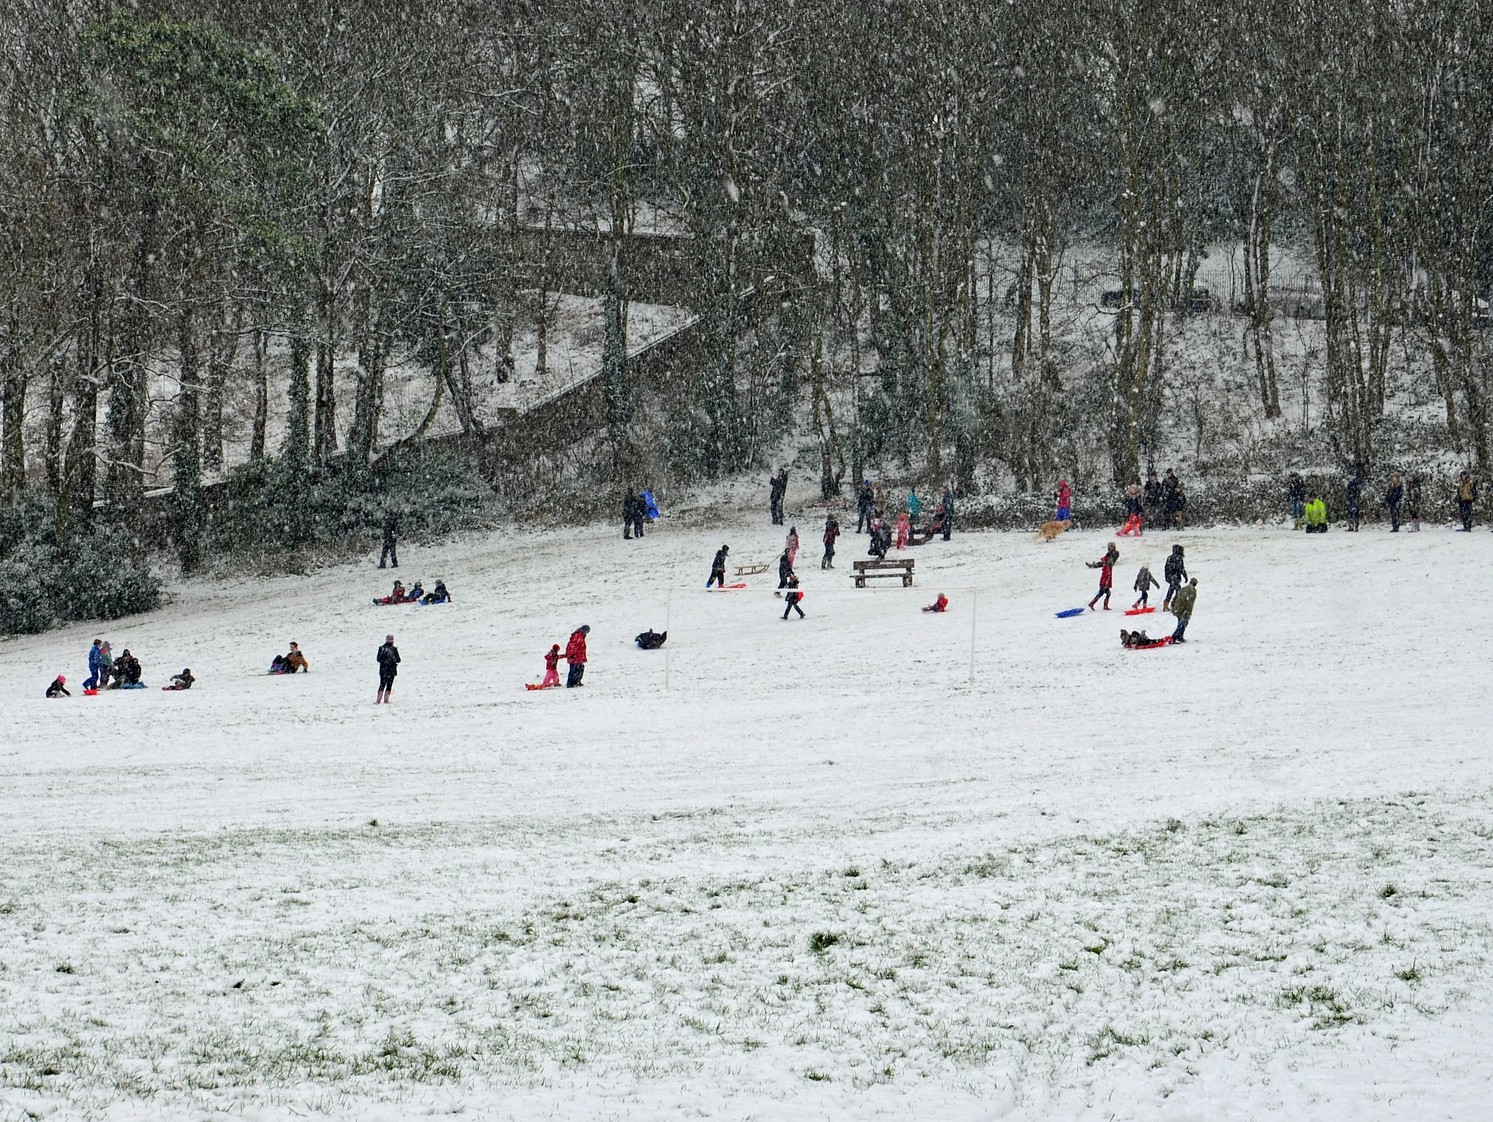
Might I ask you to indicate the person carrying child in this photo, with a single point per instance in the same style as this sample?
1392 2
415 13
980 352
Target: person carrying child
1106 567
1144 582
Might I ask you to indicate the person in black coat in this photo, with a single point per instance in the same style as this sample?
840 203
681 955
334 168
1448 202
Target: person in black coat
777 489
1175 573
865 506
1296 494
1394 494
785 572
794 596
634 511
391 541
1169 507
58 688
1152 495
718 568
388 667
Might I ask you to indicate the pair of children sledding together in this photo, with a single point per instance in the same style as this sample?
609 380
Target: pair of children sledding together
416 594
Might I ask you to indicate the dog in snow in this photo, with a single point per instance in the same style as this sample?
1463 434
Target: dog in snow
1050 530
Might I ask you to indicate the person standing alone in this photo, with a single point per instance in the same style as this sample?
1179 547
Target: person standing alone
777 489
391 541
831 532
388 667
575 655
1392 497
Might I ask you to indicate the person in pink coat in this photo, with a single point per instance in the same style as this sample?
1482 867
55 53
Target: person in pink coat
1065 501
904 528
791 545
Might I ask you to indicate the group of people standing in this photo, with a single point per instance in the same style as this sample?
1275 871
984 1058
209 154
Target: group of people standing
872 517
1401 493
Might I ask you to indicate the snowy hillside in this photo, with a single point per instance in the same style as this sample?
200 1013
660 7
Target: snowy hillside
777 870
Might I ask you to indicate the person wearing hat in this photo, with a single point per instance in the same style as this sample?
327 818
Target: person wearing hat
575 655
182 681
58 688
718 567
551 668
388 667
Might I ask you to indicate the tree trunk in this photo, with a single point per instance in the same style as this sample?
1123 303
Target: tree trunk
186 462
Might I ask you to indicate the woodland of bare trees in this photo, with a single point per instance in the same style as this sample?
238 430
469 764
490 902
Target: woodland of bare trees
187 189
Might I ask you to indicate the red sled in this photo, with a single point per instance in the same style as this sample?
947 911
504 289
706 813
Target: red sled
90 693
1164 641
726 587
532 686
1139 611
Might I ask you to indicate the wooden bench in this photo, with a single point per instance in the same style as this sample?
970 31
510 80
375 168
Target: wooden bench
897 567
751 570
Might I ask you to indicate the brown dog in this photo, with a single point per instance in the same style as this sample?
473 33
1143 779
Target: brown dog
1051 530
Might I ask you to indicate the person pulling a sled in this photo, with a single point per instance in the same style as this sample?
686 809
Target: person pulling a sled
388 669
1106 567
1182 604
575 655
718 567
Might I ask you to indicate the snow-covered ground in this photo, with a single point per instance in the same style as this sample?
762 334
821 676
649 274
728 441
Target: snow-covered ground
778 870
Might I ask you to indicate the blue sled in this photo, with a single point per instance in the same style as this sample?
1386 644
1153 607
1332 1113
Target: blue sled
1071 612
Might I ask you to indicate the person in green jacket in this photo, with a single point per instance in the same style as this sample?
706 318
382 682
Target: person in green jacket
1182 604
1316 515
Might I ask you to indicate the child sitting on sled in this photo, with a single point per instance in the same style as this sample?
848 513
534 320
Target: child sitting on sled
182 681
395 597
438 594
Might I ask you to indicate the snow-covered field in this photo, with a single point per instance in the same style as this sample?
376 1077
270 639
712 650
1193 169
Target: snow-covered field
801 870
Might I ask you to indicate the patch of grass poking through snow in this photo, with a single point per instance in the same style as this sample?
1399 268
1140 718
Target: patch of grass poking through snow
1325 1006
821 941
1409 973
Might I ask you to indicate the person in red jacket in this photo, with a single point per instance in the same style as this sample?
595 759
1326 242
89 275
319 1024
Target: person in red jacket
575 654
551 668
939 605
1106 567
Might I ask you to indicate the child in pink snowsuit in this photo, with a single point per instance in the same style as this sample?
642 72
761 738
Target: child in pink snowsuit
551 668
904 527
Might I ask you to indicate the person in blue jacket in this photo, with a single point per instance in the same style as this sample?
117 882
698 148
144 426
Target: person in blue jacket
95 664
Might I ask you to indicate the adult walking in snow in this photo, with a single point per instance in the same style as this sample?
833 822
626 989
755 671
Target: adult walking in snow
1169 508
388 668
1106 567
1466 496
1412 502
575 655
831 532
1182 605
1175 572
1394 494
718 568
390 552
777 490
790 546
